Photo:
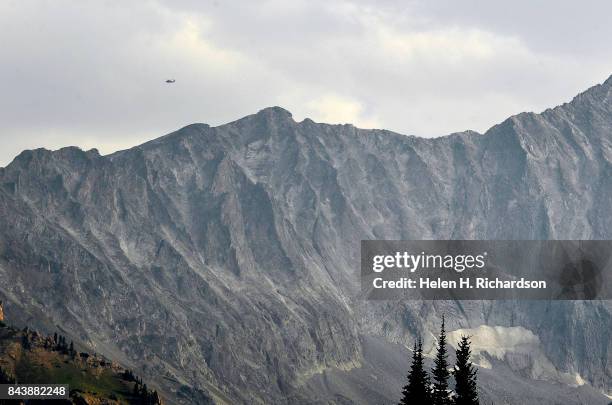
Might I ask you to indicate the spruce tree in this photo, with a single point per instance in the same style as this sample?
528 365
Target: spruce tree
466 392
6 378
417 389
440 371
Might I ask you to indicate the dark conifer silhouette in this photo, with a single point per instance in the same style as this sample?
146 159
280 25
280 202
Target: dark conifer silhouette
466 392
25 341
440 371
61 344
417 389
6 378
71 350
128 375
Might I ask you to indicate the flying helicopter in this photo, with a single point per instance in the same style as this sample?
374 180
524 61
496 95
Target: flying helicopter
170 81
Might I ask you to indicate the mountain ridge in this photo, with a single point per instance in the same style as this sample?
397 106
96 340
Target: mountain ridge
225 258
278 111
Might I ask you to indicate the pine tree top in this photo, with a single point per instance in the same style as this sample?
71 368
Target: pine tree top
416 391
440 371
466 390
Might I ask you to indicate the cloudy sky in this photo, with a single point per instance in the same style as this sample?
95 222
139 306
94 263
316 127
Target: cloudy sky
91 73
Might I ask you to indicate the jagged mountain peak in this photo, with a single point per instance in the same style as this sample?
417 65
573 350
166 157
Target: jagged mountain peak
41 156
230 255
275 112
598 97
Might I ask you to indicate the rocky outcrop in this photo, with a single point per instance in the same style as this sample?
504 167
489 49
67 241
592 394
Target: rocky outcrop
226 259
28 357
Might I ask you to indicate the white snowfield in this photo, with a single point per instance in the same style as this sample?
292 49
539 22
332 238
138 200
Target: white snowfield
517 347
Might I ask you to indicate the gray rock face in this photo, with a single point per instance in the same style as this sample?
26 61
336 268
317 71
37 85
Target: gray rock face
227 259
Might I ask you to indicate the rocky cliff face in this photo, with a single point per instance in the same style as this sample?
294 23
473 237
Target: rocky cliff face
227 259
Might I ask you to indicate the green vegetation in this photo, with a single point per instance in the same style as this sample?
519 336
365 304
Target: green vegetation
39 368
28 357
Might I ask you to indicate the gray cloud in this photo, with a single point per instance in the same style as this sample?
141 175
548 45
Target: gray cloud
92 73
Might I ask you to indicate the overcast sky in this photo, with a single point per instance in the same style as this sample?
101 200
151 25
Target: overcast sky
92 73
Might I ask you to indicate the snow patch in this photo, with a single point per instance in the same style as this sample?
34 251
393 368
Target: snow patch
517 347
579 380
498 341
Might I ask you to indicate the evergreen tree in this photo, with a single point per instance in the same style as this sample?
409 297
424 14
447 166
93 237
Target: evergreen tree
6 378
440 371
128 375
417 389
465 375
25 341
63 346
